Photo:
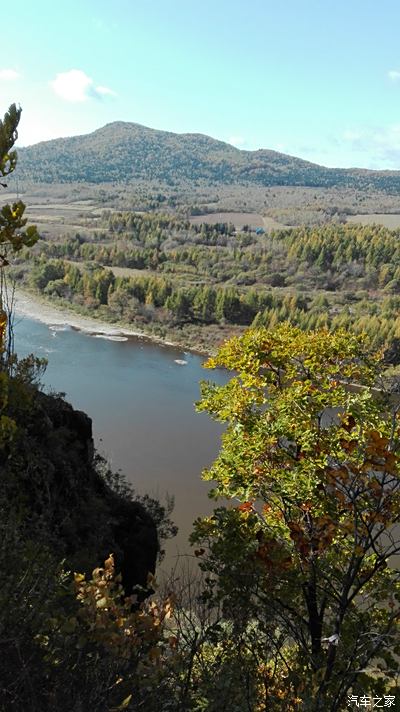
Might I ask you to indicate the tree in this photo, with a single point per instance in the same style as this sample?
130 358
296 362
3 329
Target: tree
12 219
311 460
204 304
12 222
227 306
46 272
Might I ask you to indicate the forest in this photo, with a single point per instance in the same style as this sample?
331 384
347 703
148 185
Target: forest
198 283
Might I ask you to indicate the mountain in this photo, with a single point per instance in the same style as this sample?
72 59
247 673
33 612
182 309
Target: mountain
123 151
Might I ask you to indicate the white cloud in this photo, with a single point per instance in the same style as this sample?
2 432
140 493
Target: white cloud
351 135
76 86
237 141
73 85
280 147
380 144
8 75
105 91
394 75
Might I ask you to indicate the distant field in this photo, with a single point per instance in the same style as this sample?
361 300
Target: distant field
59 211
271 224
128 271
76 206
56 219
118 271
237 219
389 221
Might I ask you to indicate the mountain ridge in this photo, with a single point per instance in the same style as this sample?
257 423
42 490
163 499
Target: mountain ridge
126 151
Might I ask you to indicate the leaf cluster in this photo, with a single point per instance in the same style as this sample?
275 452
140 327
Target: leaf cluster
310 464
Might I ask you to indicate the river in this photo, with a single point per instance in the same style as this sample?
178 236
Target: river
141 401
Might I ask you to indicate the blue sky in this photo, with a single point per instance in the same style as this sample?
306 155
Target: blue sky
318 79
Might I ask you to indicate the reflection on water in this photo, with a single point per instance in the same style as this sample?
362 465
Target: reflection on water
141 398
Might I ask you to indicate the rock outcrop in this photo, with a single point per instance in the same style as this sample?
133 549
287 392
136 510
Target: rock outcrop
52 473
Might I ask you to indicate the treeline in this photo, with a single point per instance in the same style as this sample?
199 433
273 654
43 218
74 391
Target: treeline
370 253
329 257
130 297
204 275
159 300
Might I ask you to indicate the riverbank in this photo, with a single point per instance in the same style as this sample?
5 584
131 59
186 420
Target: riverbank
35 307
203 341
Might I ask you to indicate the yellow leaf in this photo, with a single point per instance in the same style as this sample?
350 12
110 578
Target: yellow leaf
109 563
123 704
102 602
126 701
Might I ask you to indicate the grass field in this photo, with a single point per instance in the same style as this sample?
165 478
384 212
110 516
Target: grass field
390 221
237 219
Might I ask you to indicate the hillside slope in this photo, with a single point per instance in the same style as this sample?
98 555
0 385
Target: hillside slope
123 151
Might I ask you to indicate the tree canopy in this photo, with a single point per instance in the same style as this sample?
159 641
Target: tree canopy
304 551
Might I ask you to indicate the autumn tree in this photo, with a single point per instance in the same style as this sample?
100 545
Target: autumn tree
12 220
304 552
14 235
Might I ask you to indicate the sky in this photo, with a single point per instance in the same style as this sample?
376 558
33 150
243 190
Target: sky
318 79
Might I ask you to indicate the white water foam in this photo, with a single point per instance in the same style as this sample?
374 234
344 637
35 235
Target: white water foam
109 337
59 327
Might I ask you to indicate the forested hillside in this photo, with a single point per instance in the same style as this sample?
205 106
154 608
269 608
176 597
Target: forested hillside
124 151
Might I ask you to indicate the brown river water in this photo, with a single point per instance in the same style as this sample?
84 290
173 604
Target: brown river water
140 396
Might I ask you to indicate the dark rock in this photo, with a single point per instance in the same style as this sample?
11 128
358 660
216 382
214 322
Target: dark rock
52 472
136 536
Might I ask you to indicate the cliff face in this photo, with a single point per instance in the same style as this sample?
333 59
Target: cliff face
53 477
